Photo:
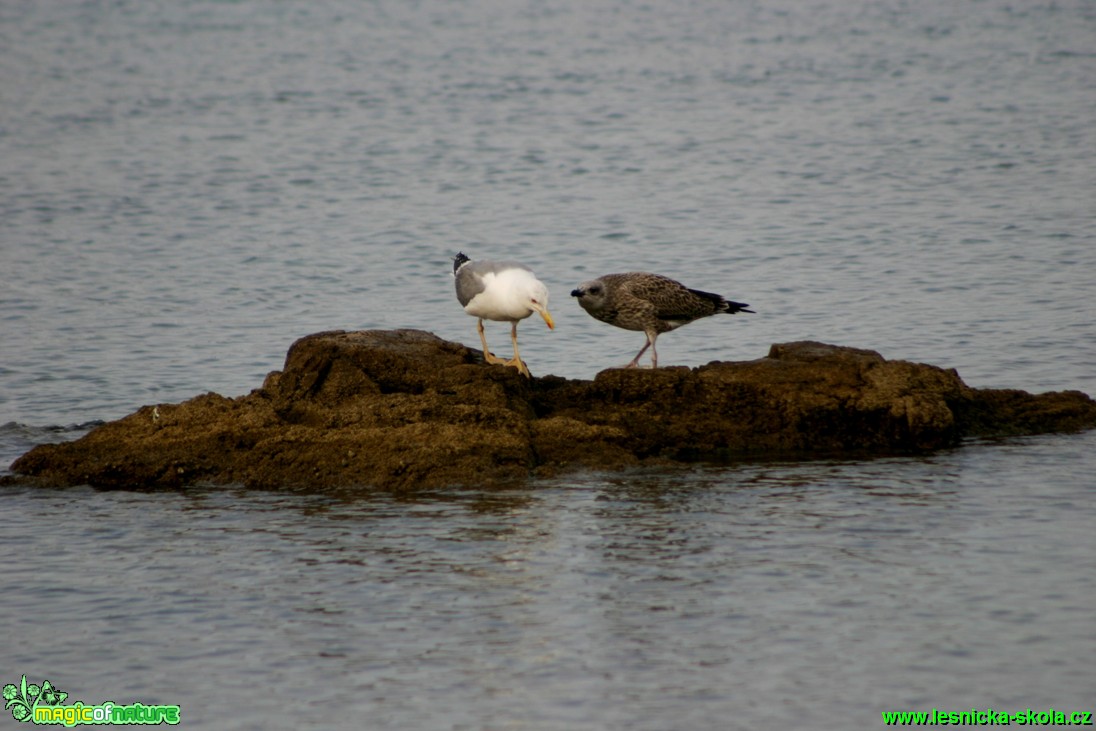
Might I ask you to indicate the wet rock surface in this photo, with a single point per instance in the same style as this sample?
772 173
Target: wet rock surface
404 409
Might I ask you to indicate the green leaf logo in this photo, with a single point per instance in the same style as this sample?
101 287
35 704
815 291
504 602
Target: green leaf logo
22 699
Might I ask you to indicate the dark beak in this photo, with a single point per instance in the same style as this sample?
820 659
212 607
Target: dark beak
577 293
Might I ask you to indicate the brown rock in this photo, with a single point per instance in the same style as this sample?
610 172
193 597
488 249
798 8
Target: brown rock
404 409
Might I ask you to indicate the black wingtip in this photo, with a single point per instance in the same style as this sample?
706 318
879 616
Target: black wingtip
459 259
734 307
721 303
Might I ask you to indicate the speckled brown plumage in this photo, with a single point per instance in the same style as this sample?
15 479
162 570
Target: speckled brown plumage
649 302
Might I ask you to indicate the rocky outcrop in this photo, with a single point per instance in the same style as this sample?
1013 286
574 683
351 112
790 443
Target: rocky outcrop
405 409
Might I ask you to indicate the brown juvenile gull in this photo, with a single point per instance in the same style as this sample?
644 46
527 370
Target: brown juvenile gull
500 290
649 302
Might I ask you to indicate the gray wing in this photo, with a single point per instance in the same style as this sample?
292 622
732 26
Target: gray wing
469 284
470 277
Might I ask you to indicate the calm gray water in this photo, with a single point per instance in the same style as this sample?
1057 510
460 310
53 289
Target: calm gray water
186 187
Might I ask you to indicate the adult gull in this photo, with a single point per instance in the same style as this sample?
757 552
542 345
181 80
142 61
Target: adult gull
504 291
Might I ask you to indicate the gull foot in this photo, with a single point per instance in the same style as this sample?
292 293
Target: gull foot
520 365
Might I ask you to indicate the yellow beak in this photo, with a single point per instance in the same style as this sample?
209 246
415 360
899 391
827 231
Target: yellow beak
547 317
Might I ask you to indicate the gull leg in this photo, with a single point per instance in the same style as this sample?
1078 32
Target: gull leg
483 339
635 361
651 338
516 362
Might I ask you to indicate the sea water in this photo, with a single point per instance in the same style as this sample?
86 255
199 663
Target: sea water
187 187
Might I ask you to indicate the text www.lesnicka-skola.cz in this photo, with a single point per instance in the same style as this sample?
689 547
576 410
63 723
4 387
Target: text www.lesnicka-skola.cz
987 717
